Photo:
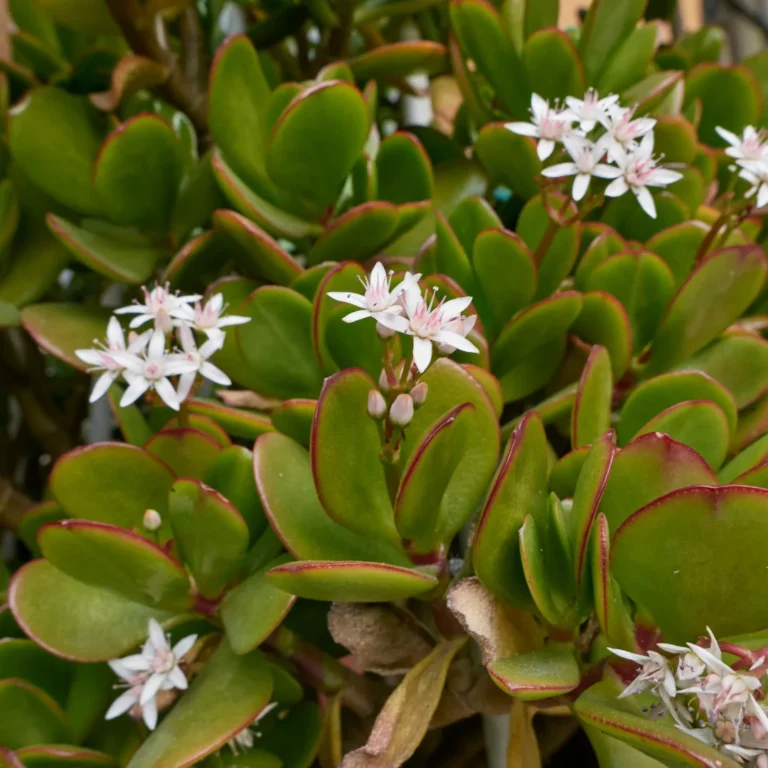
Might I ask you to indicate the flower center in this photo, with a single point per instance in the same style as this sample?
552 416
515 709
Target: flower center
639 172
153 370
164 661
551 127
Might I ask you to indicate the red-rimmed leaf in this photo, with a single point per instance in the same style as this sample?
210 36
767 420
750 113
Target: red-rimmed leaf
553 65
53 756
591 414
678 246
403 170
294 418
132 73
350 582
750 457
30 716
603 320
25 660
400 59
510 159
532 558
540 674
187 452
565 472
8 759
237 422
198 262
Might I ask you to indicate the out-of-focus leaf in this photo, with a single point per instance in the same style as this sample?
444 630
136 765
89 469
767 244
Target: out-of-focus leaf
510 159
395 60
552 64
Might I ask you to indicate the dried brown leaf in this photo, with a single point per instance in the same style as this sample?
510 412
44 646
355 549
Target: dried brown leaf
523 748
243 398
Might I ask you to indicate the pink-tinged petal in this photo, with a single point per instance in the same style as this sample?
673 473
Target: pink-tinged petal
140 342
664 176
186 338
580 186
235 320
523 129
131 309
353 317
184 646
603 171
455 307
539 106
407 281
422 353
617 187
167 393
137 387
356 299
91 356
573 103
132 363
157 636
151 688
545 148
149 714
378 274
455 340
177 679
115 335
469 324
103 383
392 321
214 374
560 170
173 365
186 380
645 198
156 348
216 302
214 343
121 705
731 138
412 298
140 320
636 657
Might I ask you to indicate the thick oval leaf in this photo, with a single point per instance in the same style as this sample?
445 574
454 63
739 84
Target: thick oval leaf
655 395
74 620
60 756
533 371
112 558
678 247
552 64
565 473
714 295
61 328
350 582
137 172
427 476
535 572
60 162
353 345
30 716
662 556
277 344
400 59
647 469
237 422
316 141
188 452
211 534
591 414
519 489
121 481
403 170
534 675
287 490
345 449
223 699
251 610
630 61
752 456
294 418
305 718
510 159
25 660
603 320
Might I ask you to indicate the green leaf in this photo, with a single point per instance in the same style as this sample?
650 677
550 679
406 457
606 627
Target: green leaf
287 490
26 661
30 716
534 370
60 756
700 424
211 534
427 476
730 97
663 566
536 675
137 172
518 489
305 718
345 451
294 418
60 328
403 169
223 699
604 243
112 558
752 456
648 468
603 320
510 159
395 60
59 162
352 345
186 452
532 558
75 620
259 255
565 472
552 64
591 415
631 61
675 138
478 28
606 27
277 344
678 246
238 86
655 395
714 295
252 610
350 582
122 481
237 422
335 117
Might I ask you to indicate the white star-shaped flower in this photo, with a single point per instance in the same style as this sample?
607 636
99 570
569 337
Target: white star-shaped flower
590 110
166 309
199 357
622 132
756 173
210 318
585 163
751 145
549 125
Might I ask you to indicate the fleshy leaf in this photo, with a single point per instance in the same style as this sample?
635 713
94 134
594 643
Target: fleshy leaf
541 674
591 413
552 64
187 452
294 418
30 716
399 60
510 159
603 320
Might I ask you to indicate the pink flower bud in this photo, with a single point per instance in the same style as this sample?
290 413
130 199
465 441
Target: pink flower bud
383 381
377 405
401 411
152 520
383 332
419 393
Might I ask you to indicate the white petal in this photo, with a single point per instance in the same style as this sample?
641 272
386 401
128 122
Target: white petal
361 314
587 125
151 687
407 281
455 340
216 302
121 705
91 356
762 196
455 307
131 309
177 678
731 138
580 186
545 148
103 383
617 187
539 106
156 348
645 198
378 274
140 320
214 343
559 170
523 129
137 387
115 335
236 319
636 657
184 645
212 373
422 353
715 664
603 171
186 380
186 338
173 365
149 714
392 321
167 393
646 145
157 635
117 666
140 342
135 663
664 176
669 648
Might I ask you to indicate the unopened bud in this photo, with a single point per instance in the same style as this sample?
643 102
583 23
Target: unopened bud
377 405
383 332
152 520
419 393
401 411
383 381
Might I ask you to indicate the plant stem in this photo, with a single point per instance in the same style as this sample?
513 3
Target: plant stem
710 237
183 417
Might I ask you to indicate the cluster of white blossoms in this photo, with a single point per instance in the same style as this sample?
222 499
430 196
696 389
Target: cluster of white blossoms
603 140
716 704
146 674
750 151
403 309
149 359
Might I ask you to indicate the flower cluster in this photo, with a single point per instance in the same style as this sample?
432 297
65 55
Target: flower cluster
148 673
146 362
403 309
716 704
593 130
750 151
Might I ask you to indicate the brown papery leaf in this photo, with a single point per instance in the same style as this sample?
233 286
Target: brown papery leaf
523 749
403 721
380 637
243 398
498 629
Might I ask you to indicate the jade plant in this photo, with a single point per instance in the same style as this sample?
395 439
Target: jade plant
339 432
